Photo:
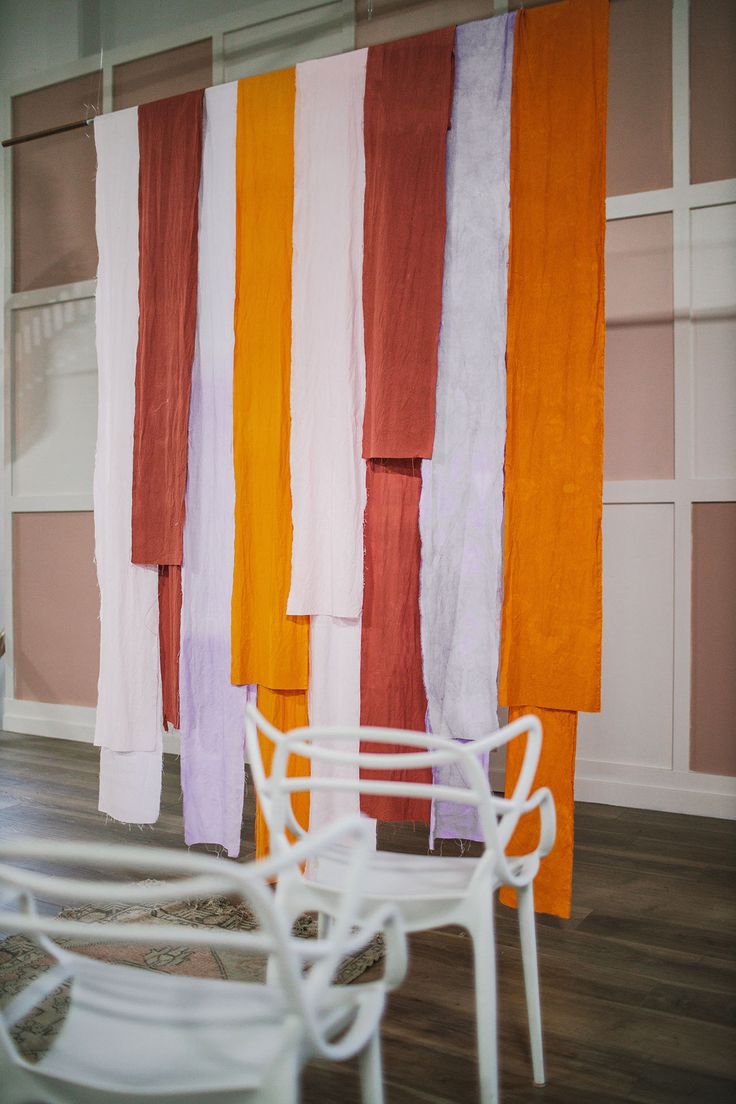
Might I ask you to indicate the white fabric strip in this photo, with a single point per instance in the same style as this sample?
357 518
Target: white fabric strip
212 718
128 724
461 513
328 358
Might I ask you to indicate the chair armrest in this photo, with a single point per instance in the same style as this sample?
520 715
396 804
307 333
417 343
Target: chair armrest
541 799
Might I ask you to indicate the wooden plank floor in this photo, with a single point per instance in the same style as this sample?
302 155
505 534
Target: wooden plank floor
638 989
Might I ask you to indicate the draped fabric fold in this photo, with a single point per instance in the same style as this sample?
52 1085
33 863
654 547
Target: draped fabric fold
128 717
328 360
268 647
551 621
408 97
461 511
391 683
553 883
170 138
334 699
212 718
285 709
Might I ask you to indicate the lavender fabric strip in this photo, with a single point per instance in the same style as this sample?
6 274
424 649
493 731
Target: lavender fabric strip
212 710
461 512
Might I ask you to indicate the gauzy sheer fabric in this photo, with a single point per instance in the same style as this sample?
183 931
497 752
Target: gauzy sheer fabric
408 97
391 684
212 719
461 511
328 360
128 718
551 622
170 138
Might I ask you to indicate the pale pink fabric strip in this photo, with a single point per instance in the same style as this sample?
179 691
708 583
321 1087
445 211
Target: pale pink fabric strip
328 359
128 721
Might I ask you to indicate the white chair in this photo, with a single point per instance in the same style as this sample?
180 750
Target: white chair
429 890
137 1035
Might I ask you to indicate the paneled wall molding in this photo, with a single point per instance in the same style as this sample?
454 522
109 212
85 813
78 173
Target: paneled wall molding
663 200
680 492
61 503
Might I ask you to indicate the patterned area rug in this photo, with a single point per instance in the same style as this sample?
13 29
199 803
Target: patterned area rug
21 960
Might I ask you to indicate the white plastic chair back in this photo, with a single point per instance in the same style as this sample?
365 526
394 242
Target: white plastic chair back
498 816
138 1034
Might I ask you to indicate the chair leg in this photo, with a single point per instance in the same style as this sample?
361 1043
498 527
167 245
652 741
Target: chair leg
484 958
528 934
371 1071
324 923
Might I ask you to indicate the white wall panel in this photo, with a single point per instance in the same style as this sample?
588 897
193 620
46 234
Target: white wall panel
635 723
713 236
55 393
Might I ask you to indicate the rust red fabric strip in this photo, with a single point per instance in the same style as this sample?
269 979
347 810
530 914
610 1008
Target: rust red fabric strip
391 680
169 635
408 99
170 144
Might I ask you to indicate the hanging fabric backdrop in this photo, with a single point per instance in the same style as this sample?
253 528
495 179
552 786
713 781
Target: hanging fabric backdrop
349 460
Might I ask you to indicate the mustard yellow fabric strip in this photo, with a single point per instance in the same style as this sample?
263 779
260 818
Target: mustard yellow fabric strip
551 619
285 709
268 648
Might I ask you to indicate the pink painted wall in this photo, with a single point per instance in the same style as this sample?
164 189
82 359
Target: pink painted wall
640 434
56 640
54 186
712 90
639 155
713 707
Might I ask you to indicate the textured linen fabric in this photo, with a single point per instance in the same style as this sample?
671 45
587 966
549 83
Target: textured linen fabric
391 684
408 96
334 700
169 639
170 139
268 647
285 709
553 883
328 360
212 718
128 717
551 622
551 626
461 510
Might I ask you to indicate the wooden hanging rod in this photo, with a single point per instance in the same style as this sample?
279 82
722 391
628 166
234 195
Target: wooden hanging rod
45 133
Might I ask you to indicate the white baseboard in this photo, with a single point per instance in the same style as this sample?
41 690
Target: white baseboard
626 784
637 787
61 722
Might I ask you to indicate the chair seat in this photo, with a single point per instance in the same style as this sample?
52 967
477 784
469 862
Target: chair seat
163 1032
426 888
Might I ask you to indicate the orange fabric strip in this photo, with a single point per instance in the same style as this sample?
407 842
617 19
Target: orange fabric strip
551 624
268 648
285 709
551 620
553 884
